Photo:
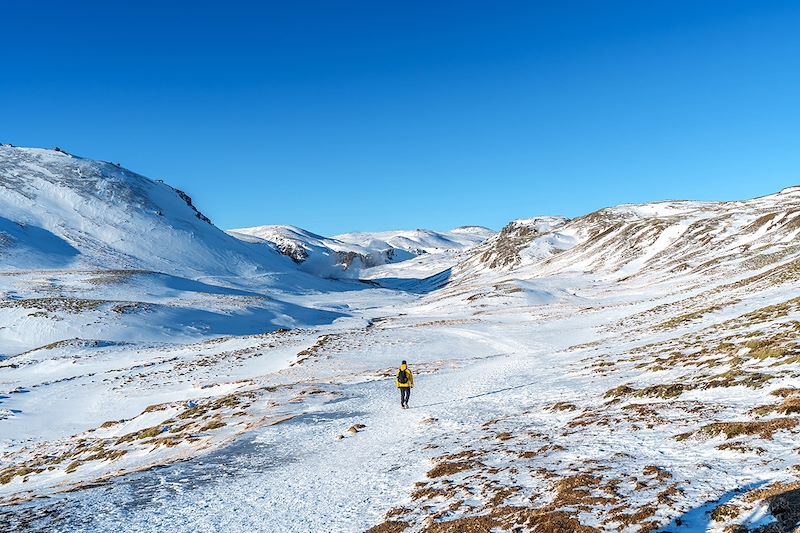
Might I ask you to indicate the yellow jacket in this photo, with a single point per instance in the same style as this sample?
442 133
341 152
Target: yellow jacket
409 382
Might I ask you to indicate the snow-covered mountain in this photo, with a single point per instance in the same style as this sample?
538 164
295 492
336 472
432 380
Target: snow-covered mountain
678 244
62 211
353 254
634 369
89 249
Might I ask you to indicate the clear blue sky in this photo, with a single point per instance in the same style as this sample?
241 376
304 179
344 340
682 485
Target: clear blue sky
339 116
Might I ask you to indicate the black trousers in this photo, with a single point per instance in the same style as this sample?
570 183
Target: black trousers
405 394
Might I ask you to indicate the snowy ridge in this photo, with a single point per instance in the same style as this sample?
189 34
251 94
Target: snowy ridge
352 254
100 215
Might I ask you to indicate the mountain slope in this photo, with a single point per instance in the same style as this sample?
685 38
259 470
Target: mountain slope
77 213
91 250
677 245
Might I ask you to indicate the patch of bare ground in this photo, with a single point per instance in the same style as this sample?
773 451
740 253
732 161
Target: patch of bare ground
789 406
785 392
544 521
474 524
659 473
448 468
762 429
669 495
112 277
64 305
772 490
724 513
315 350
626 518
693 316
741 448
429 492
563 406
390 526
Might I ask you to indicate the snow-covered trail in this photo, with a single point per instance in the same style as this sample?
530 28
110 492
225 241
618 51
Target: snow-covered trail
266 480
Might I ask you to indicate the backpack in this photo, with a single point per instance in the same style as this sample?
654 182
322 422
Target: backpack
402 377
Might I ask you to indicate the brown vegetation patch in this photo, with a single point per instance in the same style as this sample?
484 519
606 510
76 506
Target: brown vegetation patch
474 524
737 378
430 492
763 430
783 504
688 318
771 490
741 448
622 390
10 473
660 474
390 526
724 513
789 406
214 424
501 495
543 521
638 516
785 392
668 495
667 390
141 434
156 407
563 406
449 468
106 455
315 350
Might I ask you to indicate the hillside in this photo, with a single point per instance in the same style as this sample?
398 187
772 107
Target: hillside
355 255
91 250
77 213
631 370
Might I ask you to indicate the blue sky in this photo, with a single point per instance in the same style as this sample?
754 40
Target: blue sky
343 116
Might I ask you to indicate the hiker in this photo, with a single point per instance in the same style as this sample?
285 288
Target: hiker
404 382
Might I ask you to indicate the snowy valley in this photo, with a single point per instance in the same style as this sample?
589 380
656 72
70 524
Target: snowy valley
634 369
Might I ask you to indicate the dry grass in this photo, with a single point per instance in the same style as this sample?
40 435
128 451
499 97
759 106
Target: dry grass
622 390
764 430
475 524
141 434
659 473
214 424
788 406
724 513
449 468
688 318
741 448
666 391
390 526
772 490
